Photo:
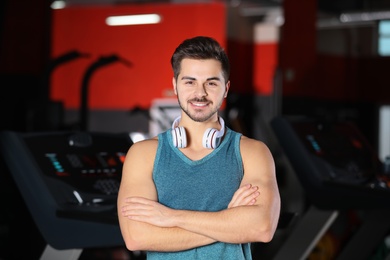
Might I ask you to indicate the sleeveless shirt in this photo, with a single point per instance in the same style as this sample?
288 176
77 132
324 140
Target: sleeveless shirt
207 184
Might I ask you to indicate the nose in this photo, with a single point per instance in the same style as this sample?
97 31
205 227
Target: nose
200 91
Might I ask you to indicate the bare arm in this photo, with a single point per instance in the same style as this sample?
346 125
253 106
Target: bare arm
137 182
253 223
240 224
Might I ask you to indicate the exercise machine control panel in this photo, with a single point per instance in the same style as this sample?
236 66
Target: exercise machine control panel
336 165
80 169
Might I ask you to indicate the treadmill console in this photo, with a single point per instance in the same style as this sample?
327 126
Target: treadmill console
80 168
334 162
343 152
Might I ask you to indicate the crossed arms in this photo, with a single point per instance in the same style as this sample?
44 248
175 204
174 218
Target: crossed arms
251 215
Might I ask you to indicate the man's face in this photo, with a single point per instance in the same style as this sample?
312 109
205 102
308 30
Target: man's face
200 88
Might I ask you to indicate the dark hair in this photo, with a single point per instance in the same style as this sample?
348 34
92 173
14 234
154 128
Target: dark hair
201 48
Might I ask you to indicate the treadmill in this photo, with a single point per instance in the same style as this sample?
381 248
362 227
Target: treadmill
69 182
338 170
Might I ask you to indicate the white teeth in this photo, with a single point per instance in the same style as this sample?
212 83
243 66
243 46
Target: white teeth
199 104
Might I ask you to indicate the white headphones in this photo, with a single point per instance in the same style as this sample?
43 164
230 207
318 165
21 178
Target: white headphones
211 138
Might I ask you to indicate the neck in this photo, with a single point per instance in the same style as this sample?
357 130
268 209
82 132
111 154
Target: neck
215 122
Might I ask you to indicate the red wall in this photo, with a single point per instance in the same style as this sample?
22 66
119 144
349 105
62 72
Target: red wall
253 66
147 47
241 58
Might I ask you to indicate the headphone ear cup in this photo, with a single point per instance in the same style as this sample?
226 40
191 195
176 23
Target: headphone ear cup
210 140
179 137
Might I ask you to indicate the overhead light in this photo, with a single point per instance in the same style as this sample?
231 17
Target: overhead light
133 19
59 4
364 16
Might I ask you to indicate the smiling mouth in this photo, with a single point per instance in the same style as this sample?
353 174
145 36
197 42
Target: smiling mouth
199 102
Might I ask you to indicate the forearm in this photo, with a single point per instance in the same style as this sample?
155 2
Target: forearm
144 236
235 225
242 222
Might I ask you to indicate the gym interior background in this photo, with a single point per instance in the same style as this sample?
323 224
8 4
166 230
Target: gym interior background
66 69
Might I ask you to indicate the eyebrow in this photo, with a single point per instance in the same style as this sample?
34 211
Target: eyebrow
214 78
192 78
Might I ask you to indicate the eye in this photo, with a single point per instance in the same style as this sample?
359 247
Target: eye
189 82
212 83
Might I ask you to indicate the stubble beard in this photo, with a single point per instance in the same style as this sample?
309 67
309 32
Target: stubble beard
199 117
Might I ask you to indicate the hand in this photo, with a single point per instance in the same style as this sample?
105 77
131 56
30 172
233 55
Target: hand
244 196
148 211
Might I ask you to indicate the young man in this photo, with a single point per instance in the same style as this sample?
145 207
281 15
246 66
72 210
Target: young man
198 190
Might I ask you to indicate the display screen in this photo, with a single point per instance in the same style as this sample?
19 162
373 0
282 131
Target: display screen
101 164
95 168
90 172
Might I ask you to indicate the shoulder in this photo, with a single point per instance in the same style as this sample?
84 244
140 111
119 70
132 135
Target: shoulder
250 143
257 159
143 149
252 148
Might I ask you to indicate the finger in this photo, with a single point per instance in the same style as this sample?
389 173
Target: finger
137 200
245 197
237 194
245 193
135 207
251 199
135 211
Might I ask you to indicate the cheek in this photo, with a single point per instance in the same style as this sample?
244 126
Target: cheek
182 92
217 93
180 95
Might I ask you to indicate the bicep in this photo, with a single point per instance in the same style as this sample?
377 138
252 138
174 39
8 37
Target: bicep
259 170
137 175
136 181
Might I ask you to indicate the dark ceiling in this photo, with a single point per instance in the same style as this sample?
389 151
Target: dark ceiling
339 6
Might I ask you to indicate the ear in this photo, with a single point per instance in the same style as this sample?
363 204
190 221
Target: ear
227 86
174 85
